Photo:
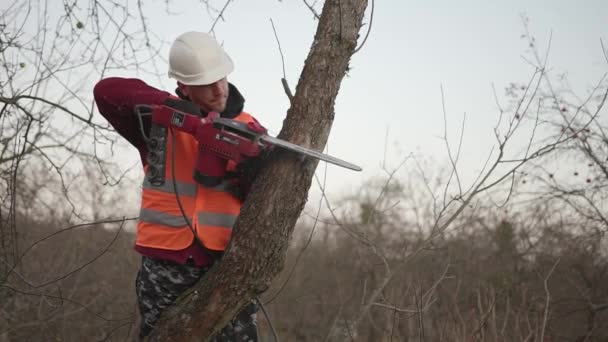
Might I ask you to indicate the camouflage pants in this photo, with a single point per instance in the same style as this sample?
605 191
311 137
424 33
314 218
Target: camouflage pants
160 282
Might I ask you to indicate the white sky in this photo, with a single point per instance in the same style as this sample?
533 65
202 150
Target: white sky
412 51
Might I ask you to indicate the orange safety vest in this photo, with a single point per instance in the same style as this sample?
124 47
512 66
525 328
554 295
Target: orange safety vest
212 211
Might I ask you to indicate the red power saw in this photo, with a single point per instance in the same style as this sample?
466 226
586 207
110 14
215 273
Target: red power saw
219 141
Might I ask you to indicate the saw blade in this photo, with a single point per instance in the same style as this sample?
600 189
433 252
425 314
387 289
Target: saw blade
308 152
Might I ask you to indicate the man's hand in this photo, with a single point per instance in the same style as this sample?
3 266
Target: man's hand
247 171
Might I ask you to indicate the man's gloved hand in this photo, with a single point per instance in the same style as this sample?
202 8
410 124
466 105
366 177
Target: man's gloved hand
183 106
247 171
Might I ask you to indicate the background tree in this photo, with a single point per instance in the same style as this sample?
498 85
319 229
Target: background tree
55 170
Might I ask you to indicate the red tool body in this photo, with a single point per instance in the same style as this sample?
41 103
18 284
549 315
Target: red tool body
219 141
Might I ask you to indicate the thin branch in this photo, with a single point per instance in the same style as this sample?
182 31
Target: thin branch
99 255
369 29
219 16
85 307
284 79
312 9
604 50
24 253
453 160
547 300
15 99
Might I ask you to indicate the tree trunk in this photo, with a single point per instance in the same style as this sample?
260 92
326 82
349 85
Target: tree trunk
261 234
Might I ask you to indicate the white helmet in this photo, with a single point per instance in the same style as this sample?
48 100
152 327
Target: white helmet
197 59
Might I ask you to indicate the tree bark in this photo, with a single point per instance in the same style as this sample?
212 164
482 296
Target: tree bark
258 248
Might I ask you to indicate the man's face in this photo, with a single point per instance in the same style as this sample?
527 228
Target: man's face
211 97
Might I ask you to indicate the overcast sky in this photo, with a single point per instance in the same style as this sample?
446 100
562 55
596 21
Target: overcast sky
414 49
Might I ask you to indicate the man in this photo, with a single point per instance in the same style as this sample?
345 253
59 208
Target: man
180 240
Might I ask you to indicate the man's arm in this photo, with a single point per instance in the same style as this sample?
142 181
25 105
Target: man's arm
116 99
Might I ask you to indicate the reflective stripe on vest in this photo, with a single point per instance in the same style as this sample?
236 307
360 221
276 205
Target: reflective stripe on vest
161 224
216 219
217 209
183 188
159 217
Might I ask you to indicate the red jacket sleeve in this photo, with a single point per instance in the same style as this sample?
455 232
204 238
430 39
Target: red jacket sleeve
116 99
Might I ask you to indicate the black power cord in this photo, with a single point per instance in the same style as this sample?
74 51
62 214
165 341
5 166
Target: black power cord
179 202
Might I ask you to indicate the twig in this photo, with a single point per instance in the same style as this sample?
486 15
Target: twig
547 300
369 29
274 332
220 15
312 9
453 160
99 255
85 307
284 79
121 221
15 99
